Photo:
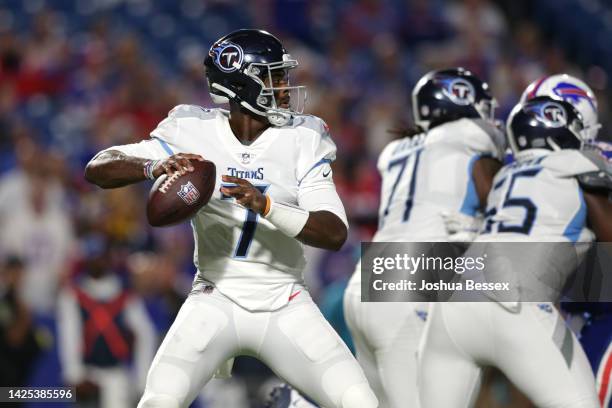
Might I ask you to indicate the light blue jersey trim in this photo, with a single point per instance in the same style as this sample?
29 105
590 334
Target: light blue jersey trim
471 202
319 163
577 224
165 146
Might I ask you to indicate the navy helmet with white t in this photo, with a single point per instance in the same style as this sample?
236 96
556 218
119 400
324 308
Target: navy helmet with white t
544 123
244 66
572 90
450 94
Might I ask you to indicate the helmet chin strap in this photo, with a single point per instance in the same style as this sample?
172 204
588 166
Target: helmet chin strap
274 116
277 118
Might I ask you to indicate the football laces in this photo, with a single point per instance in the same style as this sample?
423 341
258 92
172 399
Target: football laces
168 182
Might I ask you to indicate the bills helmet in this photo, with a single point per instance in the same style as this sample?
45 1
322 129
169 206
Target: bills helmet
572 90
251 68
446 95
544 123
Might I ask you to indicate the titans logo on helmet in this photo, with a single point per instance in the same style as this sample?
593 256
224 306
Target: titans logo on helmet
552 114
227 56
572 93
459 91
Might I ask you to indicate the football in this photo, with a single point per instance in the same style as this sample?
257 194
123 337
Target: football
177 198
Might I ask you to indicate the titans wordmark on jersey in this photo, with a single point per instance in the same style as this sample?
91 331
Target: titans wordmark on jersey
236 250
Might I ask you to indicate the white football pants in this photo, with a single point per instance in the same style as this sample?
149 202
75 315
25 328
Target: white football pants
532 347
296 342
386 337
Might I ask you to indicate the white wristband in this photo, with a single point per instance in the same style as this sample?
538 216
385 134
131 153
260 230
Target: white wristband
290 220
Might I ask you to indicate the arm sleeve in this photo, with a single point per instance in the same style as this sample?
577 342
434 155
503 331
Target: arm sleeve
316 189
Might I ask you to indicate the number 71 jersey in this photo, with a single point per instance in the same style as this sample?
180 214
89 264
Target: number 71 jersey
430 174
242 254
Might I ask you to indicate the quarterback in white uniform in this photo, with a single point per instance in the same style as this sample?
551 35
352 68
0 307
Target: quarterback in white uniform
432 181
547 195
274 193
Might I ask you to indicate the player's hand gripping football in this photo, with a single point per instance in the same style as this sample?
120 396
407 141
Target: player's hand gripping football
245 194
176 163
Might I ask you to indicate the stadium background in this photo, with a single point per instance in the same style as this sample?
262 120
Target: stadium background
78 76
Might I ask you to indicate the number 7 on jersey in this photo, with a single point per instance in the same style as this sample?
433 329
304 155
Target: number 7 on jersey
248 227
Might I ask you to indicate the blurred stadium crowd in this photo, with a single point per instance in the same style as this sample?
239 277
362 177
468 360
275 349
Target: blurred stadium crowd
79 76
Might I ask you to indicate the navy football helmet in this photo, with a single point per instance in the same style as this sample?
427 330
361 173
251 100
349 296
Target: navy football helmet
450 94
544 123
251 68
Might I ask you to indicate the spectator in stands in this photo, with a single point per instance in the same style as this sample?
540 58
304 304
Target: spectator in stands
103 328
36 225
18 345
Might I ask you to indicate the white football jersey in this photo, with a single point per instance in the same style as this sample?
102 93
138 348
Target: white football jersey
430 174
242 254
539 199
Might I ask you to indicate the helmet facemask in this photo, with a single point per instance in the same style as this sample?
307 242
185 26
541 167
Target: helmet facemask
486 109
589 133
277 100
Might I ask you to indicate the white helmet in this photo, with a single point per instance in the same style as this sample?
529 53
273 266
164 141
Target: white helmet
572 90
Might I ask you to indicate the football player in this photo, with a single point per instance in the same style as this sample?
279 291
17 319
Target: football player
435 181
551 193
596 333
274 193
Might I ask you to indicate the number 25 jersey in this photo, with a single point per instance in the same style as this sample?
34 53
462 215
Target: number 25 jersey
540 199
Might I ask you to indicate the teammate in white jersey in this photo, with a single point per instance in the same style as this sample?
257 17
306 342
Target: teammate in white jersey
547 195
437 176
274 193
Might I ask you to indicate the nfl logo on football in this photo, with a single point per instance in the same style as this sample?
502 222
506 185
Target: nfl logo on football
188 193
